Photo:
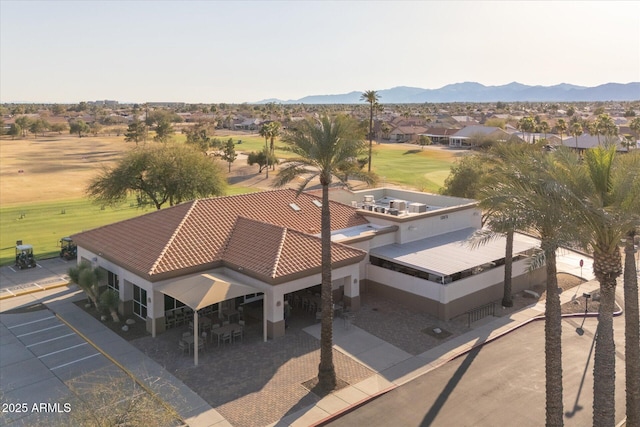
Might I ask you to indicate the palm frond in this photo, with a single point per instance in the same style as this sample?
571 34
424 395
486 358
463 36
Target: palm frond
482 237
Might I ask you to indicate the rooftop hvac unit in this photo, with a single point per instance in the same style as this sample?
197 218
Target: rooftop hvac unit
354 204
368 198
393 211
417 207
401 205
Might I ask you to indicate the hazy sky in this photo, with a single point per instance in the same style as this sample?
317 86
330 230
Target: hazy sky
245 51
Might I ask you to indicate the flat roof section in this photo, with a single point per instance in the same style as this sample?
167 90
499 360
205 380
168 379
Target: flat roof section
449 253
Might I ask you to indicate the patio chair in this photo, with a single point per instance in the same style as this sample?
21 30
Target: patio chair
186 334
318 316
201 343
170 322
204 336
183 346
237 333
225 323
226 338
179 318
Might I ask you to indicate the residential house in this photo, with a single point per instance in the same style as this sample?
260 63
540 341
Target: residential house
464 137
406 133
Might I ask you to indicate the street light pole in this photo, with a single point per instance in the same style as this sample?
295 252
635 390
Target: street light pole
586 296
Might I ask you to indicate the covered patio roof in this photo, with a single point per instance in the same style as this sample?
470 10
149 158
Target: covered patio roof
202 290
449 253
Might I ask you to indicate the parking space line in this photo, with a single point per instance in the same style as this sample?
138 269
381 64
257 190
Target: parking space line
38 285
10 268
75 361
39 330
33 321
49 340
64 349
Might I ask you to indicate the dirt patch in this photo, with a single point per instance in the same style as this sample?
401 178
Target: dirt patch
565 282
136 330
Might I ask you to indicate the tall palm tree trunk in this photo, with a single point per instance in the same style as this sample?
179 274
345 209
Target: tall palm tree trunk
606 267
266 152
631 333
370 135
507 300
326 370
553 344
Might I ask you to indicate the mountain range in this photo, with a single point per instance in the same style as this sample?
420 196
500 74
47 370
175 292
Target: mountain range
476 92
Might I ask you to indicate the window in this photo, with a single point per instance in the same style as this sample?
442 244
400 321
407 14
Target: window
140 302
171 303
112 281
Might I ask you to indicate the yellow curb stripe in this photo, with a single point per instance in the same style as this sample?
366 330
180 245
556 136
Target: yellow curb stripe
153 394
32 291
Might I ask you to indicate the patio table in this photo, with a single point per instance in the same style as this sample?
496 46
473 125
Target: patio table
189 341
229 313
222 330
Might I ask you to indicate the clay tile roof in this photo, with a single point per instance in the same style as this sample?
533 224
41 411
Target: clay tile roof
282 252
194 235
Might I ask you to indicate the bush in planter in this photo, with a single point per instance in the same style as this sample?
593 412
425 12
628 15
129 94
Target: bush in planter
87 278
109 301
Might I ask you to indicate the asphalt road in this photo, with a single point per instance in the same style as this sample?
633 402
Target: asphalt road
499 384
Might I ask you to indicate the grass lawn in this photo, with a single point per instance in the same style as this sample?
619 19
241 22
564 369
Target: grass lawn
44 224
424 170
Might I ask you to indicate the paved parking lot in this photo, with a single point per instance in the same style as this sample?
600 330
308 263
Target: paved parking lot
46 274
39 355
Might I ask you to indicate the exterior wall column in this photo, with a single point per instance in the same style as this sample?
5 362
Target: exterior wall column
126 297
155 313
352 292
274 310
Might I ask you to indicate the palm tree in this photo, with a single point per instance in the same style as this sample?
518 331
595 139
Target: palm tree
605 126
603 188
370 96
635 127
631 332
527 125
532 191
274 132
321 147
265 132
632 315
561 126
576 131
498 217
544 128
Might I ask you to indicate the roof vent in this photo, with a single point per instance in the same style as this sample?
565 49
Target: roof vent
295 207
368 198
318 203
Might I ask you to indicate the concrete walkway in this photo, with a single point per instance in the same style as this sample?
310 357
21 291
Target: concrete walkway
392 365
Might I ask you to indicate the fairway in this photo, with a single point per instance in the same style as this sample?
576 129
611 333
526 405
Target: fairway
402 164
42 183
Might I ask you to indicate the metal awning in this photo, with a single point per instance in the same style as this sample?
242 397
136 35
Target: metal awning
450 253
